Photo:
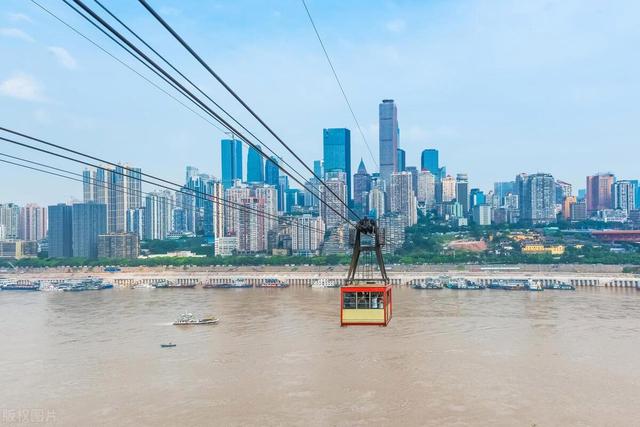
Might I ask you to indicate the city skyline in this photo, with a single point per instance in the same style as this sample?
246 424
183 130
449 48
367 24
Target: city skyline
50 89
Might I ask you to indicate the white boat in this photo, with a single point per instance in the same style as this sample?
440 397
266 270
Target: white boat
189 319
326 283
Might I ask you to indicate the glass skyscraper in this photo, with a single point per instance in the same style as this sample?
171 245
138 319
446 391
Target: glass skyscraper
429 161
271 172
402 160
60 231
231 150
89 220
388 129
255 166
336 145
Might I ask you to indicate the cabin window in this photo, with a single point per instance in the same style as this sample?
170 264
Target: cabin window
363 300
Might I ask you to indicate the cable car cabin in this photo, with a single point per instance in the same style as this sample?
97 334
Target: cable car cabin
365 305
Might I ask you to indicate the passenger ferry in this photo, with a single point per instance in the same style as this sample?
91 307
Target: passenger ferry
234 284
272 283
85 285
19 286
326 283
188 319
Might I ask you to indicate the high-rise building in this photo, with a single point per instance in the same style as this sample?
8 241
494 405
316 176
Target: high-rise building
231 151
60 231
376 202
476 197
402 160
135 222
318 168
157 215
283 187
89 220
599 192
388 133
252 231
563 190
414 178
336 145
213 210
447 189
255 166
269 195
33 222
537 204
361 188
624 195
9 221
88 186
307 234
271 172
482 214
501 189
578 211
118 246
403 201
234 195
462 191
336 199
426 188
566 206
429 161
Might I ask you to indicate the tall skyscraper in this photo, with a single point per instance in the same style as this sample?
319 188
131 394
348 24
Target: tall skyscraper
88 185
476 197
599 192
157 217
60 231
462 191
562 190
402 160
361 188
283 187
235 195
426 188
501 189
89 220
537 204
624 195
9 221
388 133
318 168
255 166
376 203
429 161
448 189
403 201
231 150
336 145
213 209
33 222
337 183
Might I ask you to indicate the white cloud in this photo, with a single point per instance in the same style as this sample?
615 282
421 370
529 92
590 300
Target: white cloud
396 25
16 33
64 57
20 17
22 86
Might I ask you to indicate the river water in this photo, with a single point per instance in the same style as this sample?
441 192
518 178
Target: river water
279 357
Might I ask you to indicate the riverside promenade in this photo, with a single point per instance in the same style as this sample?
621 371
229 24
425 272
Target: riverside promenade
578 275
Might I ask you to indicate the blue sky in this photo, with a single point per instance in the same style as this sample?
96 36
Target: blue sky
498 87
